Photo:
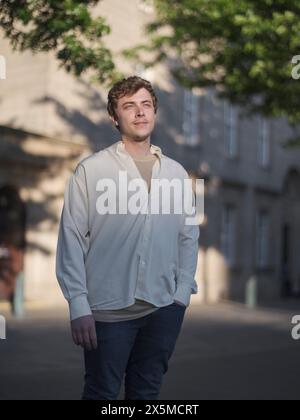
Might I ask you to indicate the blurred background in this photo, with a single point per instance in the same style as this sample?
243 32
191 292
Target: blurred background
226 76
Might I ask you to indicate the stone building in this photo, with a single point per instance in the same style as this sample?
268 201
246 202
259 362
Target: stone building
49 121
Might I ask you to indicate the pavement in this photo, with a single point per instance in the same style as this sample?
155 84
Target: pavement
224 352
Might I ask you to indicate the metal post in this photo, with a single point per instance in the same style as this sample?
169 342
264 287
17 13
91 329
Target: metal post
251 292
18 299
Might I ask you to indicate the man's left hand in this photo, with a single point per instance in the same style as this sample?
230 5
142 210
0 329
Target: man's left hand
179 303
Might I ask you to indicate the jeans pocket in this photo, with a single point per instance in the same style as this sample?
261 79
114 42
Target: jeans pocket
178 304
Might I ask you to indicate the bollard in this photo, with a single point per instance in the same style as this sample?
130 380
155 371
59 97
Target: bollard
2 328
2 68
18 298
251 292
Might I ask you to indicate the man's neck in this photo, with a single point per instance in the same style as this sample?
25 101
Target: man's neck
137 149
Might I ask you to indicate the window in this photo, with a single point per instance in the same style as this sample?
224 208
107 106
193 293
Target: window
262 239
230 130
228 234
190 117
264 143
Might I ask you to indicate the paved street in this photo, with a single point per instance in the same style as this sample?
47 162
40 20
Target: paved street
224 352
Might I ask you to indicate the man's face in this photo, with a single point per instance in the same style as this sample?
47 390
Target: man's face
136 116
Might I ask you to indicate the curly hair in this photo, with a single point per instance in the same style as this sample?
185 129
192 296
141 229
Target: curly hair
125 87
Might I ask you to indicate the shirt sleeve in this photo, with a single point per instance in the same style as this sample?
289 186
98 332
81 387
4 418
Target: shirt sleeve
187 256
73 244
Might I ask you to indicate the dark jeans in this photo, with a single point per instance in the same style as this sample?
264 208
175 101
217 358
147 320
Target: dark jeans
139 349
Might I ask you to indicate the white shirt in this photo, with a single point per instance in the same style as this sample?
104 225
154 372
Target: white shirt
106 261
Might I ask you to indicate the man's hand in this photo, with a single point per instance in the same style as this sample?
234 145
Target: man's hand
84 332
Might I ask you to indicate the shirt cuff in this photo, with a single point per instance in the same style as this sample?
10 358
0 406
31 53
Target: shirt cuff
79 306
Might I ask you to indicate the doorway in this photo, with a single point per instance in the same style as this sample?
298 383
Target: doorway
12 247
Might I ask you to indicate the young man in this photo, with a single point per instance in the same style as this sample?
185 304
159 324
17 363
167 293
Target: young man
127 275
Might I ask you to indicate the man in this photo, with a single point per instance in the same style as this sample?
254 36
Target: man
127 275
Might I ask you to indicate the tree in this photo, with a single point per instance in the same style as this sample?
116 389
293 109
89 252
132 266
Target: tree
66 27
243 48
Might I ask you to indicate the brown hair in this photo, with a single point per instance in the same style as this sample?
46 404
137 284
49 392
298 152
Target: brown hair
125 87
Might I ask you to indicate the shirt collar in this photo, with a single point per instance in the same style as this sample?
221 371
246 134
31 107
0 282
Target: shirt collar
153 149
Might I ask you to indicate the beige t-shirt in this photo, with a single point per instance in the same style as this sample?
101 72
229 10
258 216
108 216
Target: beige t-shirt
140 307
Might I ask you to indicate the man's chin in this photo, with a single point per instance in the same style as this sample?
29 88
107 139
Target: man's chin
141 137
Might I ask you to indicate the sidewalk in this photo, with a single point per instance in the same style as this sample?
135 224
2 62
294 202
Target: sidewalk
224 352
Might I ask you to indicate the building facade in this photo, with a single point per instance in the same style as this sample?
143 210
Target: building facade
49 121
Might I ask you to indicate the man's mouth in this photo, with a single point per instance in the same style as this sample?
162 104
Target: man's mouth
141 123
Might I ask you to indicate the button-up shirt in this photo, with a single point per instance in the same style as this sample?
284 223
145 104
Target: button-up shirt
106 261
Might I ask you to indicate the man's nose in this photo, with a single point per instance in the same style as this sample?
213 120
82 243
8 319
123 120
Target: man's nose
140 111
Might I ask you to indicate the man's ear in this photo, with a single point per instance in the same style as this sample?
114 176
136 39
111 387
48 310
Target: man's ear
115 122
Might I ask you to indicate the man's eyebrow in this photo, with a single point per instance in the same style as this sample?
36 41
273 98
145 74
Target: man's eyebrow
132 102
